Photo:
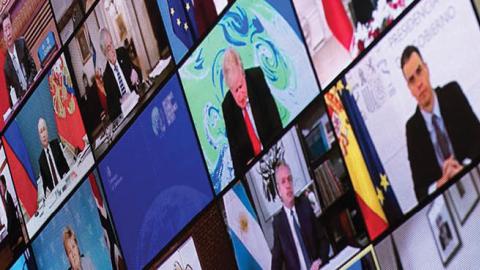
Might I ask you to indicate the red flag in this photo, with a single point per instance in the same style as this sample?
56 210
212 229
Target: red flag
95 190
67 115
26 191
338 21
4 92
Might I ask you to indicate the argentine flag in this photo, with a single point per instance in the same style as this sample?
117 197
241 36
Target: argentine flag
251 248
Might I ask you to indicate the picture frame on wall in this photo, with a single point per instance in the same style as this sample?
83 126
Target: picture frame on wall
443 230
464 196
83 43
365 260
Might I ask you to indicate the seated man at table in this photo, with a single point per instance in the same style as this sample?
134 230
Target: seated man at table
52 163
120 77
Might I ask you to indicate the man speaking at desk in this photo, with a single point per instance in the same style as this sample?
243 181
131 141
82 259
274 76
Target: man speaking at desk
120 76
251 116
52 162
444 132
298 240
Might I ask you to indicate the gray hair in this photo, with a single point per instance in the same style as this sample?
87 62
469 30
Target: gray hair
41 120
103 35
231 63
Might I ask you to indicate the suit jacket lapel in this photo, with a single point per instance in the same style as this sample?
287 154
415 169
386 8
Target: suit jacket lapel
290 243
19 53
253 102
446 118
11 69
426 144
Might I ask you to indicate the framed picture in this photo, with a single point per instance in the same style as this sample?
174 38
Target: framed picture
184 258
443 229
82 39
365 260
464 196
122 27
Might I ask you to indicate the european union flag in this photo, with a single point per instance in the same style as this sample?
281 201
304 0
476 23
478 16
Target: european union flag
383 188
182 15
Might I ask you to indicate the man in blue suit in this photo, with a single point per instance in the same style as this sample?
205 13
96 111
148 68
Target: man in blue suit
298 241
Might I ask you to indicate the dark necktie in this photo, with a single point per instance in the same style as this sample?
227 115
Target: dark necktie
123 89
52 168
256 144
442 138
300 240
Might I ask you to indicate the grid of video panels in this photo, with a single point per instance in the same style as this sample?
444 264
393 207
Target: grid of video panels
221 134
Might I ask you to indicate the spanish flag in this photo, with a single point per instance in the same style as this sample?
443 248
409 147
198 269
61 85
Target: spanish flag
366 195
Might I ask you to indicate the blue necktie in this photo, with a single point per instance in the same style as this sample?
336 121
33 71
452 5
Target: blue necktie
300 240
442 138
123 90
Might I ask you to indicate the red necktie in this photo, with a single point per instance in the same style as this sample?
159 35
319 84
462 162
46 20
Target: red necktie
256 144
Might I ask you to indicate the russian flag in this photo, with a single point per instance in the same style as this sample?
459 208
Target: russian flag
20 168
251 248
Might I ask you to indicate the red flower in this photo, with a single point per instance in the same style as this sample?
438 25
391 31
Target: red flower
360 45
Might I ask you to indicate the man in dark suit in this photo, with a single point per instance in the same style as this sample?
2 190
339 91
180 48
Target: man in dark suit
251 116
19 66
443 133
52 162
120 77
13 223
299 242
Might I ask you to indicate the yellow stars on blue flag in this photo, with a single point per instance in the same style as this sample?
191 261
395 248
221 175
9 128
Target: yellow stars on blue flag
380 196
384 184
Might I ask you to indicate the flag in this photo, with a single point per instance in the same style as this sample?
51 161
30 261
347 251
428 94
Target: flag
384 190
251 248
182 16
67 115
4 92
365 192
20 168
339 22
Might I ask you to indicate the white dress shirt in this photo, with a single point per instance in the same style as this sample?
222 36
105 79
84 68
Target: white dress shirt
248 108
54 166
18 68
122 77
427 117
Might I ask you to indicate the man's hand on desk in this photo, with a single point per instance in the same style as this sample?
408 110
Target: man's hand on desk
134 77
449 169
316 264
73 175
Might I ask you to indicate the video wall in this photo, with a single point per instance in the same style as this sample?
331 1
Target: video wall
239 134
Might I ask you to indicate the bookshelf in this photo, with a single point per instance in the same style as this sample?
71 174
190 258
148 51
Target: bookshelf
339 214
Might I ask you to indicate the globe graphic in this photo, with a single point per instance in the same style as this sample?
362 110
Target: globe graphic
169 212
158 123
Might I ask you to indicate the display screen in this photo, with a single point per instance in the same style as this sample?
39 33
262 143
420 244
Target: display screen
162 184
239 134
